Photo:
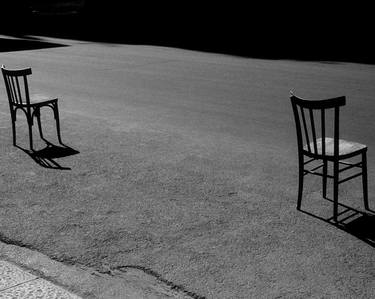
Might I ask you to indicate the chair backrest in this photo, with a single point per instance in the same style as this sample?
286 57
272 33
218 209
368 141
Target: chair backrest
16 85
310 128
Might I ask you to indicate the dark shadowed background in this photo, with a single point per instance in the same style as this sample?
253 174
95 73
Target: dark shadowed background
308 31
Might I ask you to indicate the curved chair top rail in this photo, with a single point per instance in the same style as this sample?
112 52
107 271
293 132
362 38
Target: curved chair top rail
318 104
16 72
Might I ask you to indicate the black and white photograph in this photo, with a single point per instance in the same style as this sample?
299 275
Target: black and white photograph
187 149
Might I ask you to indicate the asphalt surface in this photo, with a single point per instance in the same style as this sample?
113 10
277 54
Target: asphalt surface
187 170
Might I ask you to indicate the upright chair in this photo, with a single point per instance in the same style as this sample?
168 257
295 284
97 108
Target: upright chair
19 98
325 149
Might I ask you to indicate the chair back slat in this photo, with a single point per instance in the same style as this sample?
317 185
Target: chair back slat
19 93
323 127
309 124
8 89
305 128
313 130
13 87
27 95
336 132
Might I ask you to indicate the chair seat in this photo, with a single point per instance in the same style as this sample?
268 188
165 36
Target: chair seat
39 98
36 99
345 147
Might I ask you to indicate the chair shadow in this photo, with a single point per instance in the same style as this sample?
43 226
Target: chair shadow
46 156
357 223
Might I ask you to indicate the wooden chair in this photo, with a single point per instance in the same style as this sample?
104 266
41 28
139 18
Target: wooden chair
19 98
325 149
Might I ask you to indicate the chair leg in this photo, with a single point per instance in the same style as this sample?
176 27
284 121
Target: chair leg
364 180
39 124
31 136
14 132
335 189
57 118
300 183
325 178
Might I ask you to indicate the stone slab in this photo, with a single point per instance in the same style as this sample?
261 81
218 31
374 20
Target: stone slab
37 288
11 275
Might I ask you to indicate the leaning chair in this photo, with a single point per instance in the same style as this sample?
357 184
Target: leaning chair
19 98
314 145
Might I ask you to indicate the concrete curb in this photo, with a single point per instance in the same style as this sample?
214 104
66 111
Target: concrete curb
86 282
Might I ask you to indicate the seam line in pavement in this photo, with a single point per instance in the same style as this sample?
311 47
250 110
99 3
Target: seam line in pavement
21 283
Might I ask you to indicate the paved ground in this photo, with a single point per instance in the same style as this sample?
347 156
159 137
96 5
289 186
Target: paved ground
187 171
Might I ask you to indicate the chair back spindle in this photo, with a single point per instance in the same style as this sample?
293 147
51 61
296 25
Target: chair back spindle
323 130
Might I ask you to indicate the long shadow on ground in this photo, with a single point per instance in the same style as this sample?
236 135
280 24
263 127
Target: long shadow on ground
357 223
47 156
